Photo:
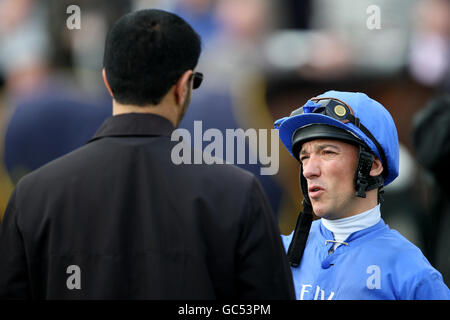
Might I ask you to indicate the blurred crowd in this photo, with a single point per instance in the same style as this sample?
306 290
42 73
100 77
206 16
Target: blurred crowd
261 59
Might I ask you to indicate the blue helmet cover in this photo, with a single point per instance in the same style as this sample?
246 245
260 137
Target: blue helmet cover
371 114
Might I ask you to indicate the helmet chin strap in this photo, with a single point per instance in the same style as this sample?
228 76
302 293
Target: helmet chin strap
302 227
363 182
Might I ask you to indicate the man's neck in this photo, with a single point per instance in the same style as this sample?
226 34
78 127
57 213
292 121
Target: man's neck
163 110
358 205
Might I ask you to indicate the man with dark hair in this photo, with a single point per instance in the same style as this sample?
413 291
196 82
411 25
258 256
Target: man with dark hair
117 219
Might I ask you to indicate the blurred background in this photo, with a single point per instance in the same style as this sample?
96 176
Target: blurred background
261 59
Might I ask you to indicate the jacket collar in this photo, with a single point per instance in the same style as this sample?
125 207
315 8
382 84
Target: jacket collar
358 236
134 124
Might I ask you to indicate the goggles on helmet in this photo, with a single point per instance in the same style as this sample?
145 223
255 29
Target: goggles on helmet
340 111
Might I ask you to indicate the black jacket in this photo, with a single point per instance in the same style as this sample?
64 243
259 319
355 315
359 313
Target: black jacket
116 219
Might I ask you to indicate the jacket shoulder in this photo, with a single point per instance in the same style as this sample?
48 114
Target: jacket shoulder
410 272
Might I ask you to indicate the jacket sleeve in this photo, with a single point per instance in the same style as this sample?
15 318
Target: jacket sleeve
262 268
431 287
13 267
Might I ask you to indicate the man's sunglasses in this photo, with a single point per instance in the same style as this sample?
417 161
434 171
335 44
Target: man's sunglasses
198 78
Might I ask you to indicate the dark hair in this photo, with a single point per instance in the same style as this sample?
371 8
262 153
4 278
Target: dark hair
145 54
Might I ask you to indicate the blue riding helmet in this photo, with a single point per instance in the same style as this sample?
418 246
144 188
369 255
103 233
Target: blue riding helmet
358 118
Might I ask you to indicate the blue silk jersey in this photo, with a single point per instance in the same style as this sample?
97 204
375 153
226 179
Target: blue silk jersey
377 263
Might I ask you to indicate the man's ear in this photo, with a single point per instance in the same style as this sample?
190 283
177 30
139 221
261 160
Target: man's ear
105 80
377 167
181 87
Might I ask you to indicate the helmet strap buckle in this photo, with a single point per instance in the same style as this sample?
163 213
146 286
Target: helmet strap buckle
362 173
362 187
